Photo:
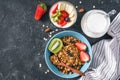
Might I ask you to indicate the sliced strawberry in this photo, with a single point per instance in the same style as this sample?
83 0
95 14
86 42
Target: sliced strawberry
62 23
81 46
55 9
64 14
84 57
61 18
39 12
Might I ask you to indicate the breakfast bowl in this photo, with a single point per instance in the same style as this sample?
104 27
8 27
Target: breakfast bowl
50 53
63 14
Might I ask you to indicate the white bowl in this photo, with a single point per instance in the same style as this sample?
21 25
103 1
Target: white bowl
92 32
68 5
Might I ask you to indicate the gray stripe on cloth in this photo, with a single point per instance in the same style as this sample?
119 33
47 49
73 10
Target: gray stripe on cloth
106 54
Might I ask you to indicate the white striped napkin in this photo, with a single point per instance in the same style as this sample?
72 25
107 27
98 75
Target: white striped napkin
106 56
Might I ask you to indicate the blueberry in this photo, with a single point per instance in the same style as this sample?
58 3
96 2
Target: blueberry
67 19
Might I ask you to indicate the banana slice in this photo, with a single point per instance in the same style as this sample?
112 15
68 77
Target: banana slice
59 5
69 8
64 6
72 14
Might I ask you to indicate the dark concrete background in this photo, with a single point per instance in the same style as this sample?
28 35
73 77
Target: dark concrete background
21 37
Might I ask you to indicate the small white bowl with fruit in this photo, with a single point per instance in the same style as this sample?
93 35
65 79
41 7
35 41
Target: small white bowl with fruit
63 14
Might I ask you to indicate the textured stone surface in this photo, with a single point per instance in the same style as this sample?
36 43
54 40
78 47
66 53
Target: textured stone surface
21 37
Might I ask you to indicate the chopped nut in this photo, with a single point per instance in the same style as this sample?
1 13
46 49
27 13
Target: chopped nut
47 29
81 10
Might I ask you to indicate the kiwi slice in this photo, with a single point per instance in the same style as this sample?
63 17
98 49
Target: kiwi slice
55 19
54 15
55 45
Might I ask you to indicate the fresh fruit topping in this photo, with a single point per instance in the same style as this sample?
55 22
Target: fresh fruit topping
67 19
84 57
71 15
81 46
55 45
62 6
40 10
69 8
64 14
55 17
81 10
56 8
61 18
62 23
57 14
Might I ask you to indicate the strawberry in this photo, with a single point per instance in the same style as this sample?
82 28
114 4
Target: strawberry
62 23
61 18
81 46
56 8
64 14
40 10
84 57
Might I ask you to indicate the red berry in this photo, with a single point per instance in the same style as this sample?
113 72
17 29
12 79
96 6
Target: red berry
39 12
64 14
55 9
84 57
62 23
81 46
61 18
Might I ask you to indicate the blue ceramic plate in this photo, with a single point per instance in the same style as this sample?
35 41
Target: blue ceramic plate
53 68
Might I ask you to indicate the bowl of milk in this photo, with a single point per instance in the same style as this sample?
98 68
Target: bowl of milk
95 23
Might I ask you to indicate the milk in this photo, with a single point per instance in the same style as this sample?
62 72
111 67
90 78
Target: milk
95 23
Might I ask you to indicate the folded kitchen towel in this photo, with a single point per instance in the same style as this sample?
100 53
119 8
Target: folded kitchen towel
106 56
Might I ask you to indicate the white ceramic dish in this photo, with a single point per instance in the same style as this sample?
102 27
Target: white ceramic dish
95 23
68 8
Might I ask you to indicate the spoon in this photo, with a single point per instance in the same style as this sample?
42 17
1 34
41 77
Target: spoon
72 69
